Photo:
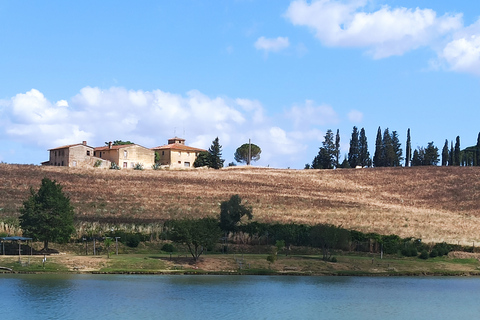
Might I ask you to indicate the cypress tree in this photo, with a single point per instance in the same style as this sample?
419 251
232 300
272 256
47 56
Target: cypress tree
397 149
408 155
353 152
445 153
377 157
450 155
388 151
337 149
456 152
364 155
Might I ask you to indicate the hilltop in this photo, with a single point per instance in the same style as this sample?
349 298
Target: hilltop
432 203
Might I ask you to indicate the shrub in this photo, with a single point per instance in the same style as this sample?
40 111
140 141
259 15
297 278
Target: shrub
97 163
434 253
333 259
409 251
133 240
138 166
442 248
156 166
168 247
424 255
114 166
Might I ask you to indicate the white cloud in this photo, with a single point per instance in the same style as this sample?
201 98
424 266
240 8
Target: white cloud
385 32
463 52
311 114
355 116
273 45
149 118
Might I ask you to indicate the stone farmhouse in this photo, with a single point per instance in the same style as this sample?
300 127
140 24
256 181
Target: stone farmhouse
126 156
176 154
74 155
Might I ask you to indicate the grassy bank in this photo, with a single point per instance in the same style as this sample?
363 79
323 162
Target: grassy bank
152 262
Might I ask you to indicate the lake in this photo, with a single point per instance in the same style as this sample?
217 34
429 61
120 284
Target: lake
64 296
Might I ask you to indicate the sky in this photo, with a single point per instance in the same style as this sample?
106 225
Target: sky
280 73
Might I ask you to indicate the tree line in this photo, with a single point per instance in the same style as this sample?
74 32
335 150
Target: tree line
389 152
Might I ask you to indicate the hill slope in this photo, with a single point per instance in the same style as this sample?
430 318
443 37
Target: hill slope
432 203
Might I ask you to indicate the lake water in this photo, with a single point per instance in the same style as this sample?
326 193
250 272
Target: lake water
237 297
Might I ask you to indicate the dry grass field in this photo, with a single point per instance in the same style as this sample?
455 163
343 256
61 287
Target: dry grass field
432 203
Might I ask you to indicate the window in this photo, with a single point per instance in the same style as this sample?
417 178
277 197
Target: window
187 164
179 153
125 164
163 153
132 164
74 163
88 152
125 154
188 154
179 162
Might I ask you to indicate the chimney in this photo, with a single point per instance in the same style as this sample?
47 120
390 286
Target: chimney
110 145
84 143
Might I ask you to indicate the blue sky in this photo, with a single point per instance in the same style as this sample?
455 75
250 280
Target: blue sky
278 72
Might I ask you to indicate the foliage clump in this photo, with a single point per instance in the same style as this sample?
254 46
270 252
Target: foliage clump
47 214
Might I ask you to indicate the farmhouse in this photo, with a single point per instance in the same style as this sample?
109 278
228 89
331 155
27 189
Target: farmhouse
74 155
176 154
126 156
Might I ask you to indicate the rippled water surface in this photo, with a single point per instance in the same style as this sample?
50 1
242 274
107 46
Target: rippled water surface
231 297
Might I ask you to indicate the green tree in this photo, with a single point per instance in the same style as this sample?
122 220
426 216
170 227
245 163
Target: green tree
108 242
242 153
456 152
388 151
377 157
337 149
477 151
202 160
326 155
397 149
450 155
431 155
119 143
196 234
363 154
231 212
354 152
216 161
418 156
445 153
47 214
408 152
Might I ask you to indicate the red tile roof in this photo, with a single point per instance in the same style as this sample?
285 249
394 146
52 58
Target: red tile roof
178 146
70 145
114 147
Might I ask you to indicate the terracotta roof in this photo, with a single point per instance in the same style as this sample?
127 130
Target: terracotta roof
177 146
70 145
116 147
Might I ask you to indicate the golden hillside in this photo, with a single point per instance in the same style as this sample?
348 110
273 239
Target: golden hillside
432 203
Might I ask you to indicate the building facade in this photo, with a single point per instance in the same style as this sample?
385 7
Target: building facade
126 156
176 154
75 155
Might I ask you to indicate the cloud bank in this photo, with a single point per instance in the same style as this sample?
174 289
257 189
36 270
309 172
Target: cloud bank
389 31
149 118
